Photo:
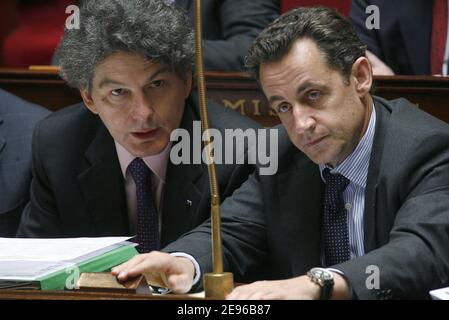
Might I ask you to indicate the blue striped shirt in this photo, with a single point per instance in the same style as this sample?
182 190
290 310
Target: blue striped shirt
355 169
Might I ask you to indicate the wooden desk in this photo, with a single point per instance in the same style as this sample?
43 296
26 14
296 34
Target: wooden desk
234 90
85 295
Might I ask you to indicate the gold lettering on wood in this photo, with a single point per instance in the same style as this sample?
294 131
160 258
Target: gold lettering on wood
256 104
239 104
245 109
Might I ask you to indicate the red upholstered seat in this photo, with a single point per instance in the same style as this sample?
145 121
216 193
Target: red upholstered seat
37 35
343 6
41 26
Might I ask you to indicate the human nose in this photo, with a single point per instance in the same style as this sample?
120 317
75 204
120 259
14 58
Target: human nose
303 120
142 107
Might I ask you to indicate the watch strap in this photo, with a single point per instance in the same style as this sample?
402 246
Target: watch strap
326 291
326 286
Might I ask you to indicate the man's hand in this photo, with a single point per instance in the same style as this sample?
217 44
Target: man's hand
379 67
299 288
161 269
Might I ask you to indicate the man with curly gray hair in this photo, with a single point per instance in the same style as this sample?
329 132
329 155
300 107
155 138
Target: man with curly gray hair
102 167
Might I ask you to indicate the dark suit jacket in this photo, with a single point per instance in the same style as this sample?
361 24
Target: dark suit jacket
78 187
229 27
17 121
404 38
276 220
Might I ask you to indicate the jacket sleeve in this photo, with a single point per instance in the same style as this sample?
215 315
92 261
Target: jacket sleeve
39 218
368 36
240 23
415 259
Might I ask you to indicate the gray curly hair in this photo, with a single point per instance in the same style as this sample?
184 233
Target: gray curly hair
158 31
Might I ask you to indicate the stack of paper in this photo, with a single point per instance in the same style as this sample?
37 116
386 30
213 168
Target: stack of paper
440 294
55 264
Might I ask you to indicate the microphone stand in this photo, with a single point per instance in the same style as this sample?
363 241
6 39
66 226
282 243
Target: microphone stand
217 284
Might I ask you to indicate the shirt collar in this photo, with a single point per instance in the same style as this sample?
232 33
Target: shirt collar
157 163
355 166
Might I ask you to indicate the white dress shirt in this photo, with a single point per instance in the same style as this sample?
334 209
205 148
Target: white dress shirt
158 167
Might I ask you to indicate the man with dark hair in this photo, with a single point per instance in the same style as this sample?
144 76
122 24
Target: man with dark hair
359 207
103 168
17 121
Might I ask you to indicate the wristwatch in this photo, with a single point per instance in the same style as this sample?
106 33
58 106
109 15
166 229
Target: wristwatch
324 279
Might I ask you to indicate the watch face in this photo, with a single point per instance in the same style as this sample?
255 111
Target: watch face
322 274
325 279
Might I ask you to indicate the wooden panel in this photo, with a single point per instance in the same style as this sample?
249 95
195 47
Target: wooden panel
85 295
431 94
234 90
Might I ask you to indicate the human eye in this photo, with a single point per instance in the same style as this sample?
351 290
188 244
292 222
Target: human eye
314 95
157 83
283 108
118 92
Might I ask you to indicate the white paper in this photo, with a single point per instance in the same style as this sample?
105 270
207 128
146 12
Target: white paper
13 249
30 259
440 294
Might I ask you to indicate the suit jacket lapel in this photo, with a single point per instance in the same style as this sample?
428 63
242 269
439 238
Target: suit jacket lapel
369 219
181 200
301 211
102 185
181 195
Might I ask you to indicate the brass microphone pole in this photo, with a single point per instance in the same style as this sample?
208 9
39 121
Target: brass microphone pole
218 283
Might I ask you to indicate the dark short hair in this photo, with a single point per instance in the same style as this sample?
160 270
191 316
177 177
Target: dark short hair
152 28
331 32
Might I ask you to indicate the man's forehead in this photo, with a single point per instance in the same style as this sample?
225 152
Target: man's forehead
287 75
124 70
304 64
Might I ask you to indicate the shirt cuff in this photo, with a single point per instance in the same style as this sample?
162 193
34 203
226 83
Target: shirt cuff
336 271
197 276
352 294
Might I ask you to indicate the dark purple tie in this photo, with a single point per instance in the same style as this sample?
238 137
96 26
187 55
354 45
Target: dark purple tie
335 223
147 216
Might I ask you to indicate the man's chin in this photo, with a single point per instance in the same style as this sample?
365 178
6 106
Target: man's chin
148 149
319 159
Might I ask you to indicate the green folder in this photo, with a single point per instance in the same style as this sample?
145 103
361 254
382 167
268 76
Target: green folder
104 262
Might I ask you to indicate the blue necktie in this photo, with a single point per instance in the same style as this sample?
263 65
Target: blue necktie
335 224
147 216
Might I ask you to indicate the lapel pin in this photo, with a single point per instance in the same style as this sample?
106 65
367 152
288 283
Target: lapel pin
189 203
